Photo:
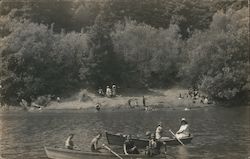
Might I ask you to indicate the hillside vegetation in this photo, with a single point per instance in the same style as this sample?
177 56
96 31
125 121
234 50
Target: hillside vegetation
55 47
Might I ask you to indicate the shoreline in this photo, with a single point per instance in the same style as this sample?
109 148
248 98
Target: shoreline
85 101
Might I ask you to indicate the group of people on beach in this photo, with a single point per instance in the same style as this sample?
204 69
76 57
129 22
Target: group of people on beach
110 91
134 102
195 95
129 147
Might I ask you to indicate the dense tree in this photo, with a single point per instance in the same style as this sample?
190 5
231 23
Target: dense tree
152 54
217 58
46 12
35 61
84 14
25 57
103 64
52 47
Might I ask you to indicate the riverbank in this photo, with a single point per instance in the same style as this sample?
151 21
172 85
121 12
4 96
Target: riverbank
129 99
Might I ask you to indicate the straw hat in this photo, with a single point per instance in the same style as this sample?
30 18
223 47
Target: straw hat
183 120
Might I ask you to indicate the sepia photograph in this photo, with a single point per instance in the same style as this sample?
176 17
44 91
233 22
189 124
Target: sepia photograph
124 79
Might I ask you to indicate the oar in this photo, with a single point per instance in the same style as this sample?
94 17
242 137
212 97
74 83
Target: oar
176 137
165 147
106 147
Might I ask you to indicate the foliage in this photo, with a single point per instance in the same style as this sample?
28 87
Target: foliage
35 61
152 54
217 58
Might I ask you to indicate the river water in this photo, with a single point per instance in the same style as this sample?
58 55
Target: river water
219 132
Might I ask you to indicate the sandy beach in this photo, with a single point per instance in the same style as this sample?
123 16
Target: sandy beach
154 98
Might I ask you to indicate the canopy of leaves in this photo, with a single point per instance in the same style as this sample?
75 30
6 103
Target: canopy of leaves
151 54
217 58
52 47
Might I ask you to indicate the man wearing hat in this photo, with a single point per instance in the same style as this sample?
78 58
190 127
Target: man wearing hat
184 129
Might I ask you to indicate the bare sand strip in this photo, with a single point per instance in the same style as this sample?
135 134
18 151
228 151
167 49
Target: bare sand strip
156 99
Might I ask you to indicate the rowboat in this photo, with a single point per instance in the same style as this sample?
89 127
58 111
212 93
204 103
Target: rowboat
118 139
62 153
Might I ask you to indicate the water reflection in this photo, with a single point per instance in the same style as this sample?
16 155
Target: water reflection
182 152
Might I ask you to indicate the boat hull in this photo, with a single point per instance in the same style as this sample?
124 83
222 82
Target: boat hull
118 140
60 153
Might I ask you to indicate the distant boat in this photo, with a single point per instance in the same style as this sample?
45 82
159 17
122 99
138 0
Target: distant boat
62 153
118 139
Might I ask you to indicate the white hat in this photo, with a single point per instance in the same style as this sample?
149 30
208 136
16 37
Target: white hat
183 119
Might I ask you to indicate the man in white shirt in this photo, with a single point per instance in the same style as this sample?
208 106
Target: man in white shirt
184 129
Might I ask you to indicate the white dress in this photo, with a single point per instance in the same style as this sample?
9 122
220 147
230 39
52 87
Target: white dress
183 131
158 132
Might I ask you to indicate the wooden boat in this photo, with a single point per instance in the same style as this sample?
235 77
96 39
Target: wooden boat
118 139
61 153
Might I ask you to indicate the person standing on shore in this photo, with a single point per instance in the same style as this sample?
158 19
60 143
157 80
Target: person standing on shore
58 99
113 90
143 101
108 92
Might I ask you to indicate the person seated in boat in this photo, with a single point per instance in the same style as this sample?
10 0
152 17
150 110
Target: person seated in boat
129 146
153 147
158 131
94 143
69 144
184 129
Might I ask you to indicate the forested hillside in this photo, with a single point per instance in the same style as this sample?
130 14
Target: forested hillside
56 46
